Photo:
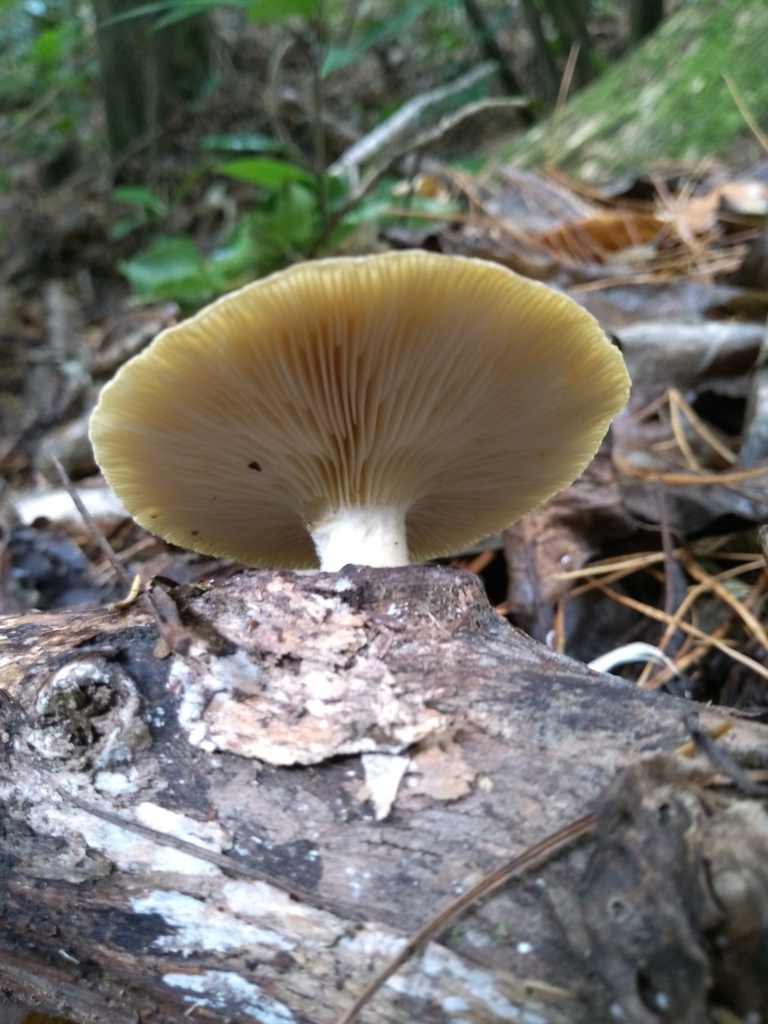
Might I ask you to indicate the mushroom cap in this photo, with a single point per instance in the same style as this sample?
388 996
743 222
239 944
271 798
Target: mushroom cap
448 387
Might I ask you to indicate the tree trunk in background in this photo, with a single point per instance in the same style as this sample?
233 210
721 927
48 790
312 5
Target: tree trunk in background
570 18
246 828
644 17
146 69
477 19
570 23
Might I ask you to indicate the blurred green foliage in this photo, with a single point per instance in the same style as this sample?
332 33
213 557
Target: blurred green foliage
297 208
47 64
285 225
379 30
170 11
279 229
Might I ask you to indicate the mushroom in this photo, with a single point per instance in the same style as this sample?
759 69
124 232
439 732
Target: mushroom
375 410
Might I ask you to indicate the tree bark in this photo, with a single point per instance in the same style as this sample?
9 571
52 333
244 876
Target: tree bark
243 816
145 69
644 17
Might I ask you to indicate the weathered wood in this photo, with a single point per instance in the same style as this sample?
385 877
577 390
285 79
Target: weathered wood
247 829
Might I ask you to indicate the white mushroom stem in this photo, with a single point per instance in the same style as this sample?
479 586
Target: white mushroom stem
361 536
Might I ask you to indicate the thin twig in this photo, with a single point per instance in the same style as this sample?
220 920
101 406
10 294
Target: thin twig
667 549
751 123
731 476
317 51
29 115
372 176
271 100
103 544
161 607
531 858
677 401
565 84
706 638
713 584
723 761
405 120
226 862
671 571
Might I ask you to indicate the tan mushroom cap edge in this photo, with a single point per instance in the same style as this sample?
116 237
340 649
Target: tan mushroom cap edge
446 390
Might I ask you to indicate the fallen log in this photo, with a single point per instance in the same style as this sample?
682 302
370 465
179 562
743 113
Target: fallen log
242 816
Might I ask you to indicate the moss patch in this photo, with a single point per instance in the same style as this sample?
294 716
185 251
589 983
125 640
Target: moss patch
667 99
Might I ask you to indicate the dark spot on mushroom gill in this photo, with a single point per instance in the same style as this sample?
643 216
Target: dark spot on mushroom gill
254 465
195 533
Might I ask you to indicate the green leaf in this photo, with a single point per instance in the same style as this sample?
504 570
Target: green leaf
47 48
291 223
170 11
370 209
337 189
381 207
339 57
237 256
170 268
137 195
274 10
122 228
263 171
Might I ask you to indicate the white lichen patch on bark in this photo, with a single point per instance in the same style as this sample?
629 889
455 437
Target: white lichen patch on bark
649 96
589 127
483 992
318 715
269 906
73 861
437 973
124 783
227 991
197 927
372 941
208 834
128 850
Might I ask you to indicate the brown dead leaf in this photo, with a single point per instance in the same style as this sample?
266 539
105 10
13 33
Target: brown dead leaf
593 239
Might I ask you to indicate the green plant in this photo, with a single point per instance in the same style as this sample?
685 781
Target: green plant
171 11
282 225
286 223
144 208
379 30
299 209
44 74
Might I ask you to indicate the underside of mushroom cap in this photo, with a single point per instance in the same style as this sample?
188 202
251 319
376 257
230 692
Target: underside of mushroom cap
448 387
